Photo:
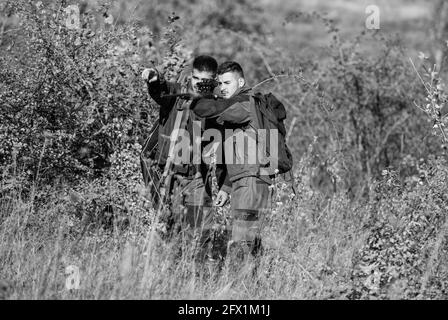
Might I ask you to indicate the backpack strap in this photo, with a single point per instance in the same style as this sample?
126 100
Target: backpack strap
254 109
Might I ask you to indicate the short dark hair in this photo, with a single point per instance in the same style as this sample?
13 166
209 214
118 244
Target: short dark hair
231 66
205 63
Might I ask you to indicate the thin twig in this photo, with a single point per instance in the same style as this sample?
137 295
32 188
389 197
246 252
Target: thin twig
420 107
291 127
386 137
418 74
275 77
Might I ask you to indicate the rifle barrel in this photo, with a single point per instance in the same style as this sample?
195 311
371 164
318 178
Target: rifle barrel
185 96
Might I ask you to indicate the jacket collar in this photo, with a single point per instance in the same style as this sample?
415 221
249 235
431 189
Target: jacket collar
243 90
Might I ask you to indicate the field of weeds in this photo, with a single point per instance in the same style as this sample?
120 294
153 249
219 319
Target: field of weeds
365 123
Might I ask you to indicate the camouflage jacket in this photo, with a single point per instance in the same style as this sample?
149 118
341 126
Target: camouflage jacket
236 116
167 116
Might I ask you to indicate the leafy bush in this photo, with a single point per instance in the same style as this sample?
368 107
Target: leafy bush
404 255
73 97
367 133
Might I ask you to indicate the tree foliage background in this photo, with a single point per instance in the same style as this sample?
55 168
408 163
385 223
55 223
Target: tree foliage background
365 118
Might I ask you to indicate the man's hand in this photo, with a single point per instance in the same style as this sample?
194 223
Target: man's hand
150 75
194 95
221 198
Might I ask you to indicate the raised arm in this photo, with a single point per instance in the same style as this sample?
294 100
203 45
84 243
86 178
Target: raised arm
157 85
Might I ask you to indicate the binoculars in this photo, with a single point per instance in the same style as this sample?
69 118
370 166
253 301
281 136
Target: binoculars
207 85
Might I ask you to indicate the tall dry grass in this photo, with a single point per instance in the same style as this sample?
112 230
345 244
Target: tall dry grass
309 242
312 243
326 243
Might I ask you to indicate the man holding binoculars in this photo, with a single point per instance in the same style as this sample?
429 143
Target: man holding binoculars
185 188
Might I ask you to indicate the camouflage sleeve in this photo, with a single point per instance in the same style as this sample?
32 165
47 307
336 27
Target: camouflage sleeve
237 113
211 108
222 176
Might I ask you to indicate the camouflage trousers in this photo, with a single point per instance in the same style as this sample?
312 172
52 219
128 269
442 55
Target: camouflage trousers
190 217
250 204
